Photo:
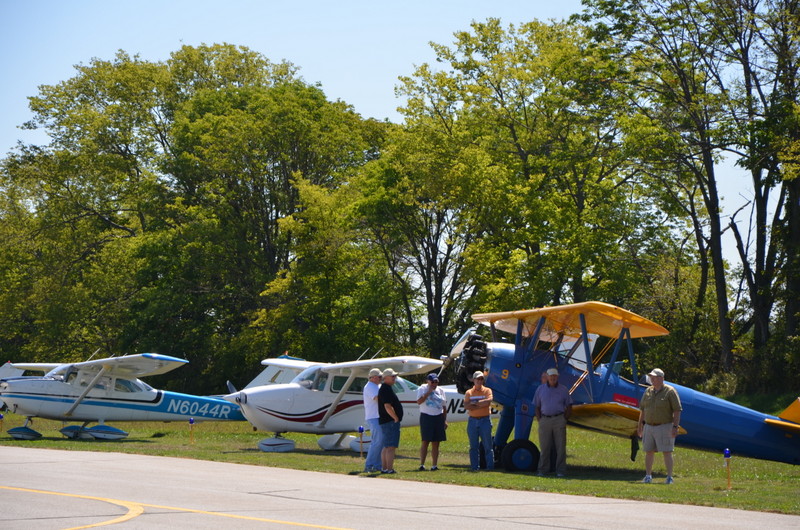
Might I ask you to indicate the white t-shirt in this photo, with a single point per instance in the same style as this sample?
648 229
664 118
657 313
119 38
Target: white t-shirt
371 400
433 404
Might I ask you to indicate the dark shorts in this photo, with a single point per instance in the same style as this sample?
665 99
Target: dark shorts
391 434
431 428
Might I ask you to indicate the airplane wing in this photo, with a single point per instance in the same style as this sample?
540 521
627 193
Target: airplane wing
403 365
611 418
133 366
601 318
35 367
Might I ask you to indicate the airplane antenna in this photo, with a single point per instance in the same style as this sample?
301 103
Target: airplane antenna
377 352
92 355
363 354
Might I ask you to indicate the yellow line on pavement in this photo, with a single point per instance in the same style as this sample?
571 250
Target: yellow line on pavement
136 508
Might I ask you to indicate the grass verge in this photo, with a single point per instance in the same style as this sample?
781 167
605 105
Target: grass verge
598 465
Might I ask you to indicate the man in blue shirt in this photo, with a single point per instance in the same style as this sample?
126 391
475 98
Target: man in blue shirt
553 407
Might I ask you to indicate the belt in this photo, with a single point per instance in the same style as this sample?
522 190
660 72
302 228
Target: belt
552 415
657 424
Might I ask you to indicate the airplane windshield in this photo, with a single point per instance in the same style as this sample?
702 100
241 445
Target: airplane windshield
126 385
312 378
59 372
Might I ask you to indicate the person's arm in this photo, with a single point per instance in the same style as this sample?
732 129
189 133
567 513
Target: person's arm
390 410
676 420
468 404
422 394
488 398
568 411
444 407
640 426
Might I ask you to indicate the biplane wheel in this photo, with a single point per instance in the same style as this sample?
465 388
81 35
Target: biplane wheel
520 455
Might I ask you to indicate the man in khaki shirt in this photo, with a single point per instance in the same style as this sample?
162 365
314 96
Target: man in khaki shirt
659 417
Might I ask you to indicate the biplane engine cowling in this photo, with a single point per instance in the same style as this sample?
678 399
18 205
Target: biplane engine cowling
473 358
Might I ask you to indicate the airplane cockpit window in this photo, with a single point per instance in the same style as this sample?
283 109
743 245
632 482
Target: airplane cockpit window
312 378
356 388
125 385
61 372
306 377
405 383
321 380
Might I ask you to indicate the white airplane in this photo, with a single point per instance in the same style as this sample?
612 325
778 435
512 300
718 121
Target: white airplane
327 399
103 390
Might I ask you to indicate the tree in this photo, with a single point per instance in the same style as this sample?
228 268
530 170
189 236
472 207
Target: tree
560 207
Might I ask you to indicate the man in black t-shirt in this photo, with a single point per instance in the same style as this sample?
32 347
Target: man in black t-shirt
391 414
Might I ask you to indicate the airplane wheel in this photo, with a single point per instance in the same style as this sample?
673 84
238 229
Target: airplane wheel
520 455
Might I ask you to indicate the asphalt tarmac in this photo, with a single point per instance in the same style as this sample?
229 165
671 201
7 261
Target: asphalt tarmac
54 489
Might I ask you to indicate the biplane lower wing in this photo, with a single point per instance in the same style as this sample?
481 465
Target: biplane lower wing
611 418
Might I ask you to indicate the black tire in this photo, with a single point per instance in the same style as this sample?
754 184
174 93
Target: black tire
520 455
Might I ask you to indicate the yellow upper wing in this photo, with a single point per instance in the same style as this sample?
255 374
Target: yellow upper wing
601 318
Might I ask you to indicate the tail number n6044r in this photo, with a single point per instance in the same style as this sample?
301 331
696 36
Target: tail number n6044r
196 408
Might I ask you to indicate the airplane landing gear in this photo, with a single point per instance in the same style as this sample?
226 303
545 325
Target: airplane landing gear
520 455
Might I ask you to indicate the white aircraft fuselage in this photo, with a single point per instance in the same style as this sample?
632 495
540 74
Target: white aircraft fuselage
302 405
110 398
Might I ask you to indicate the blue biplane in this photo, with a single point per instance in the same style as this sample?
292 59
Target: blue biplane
604 400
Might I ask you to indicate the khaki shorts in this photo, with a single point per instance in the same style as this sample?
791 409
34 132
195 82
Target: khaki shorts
658 438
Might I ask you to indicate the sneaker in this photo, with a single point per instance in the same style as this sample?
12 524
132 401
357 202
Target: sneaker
391 472
669 480
647 479
435 468
421 468
560 475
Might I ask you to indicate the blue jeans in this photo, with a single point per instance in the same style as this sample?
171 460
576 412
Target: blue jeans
375 445
480 428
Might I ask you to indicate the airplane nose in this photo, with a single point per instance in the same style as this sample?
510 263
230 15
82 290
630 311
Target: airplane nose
241 398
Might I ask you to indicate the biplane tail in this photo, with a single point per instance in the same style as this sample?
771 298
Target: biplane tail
789 419
792 412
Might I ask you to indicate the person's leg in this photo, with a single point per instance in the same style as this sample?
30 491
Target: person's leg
649 457
385 450
472 434
560 442
486 439
390 452
668 462
545 444
423 453
435 454
375 445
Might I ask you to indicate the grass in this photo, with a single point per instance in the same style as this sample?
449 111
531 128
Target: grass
598 465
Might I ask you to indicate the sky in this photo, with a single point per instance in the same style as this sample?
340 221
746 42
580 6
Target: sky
354 49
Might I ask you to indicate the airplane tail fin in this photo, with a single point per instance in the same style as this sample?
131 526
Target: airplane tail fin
792 412
9 370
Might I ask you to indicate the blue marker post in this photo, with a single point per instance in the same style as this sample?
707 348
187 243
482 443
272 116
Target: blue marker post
1 422
361 441
727 457
191 431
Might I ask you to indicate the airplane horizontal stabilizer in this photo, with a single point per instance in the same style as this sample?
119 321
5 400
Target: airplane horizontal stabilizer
793 428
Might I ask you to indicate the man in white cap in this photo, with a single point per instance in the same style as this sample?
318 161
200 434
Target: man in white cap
391 414
477 401
373 461
659 418
553 408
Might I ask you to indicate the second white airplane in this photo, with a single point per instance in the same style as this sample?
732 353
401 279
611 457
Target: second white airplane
326 399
